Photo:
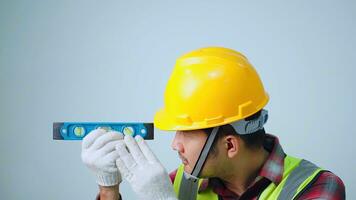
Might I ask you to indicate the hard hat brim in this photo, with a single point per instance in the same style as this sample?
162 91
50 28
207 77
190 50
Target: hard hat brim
164 121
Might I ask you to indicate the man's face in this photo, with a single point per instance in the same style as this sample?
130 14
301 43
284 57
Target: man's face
189 144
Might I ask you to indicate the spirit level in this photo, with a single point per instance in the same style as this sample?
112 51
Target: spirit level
78 130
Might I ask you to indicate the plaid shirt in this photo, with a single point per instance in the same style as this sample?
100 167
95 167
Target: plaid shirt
326 186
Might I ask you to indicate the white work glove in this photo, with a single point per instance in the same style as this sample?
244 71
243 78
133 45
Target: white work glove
140 167
99 155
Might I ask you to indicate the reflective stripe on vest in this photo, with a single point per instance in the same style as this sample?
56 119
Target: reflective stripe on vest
297 175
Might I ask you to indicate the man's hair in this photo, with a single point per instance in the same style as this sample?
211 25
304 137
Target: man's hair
253 140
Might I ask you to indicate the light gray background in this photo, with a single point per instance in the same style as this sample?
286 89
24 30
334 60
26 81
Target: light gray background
109 61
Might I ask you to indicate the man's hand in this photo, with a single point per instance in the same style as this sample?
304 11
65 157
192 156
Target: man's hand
99 155
140 167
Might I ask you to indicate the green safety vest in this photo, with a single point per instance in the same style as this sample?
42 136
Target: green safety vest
298 175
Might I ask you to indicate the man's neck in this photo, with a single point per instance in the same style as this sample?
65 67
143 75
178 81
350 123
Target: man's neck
245 171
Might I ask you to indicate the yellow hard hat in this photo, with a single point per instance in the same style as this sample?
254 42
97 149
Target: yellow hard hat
210 87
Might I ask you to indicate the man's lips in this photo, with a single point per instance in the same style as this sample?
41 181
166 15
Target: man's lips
184 160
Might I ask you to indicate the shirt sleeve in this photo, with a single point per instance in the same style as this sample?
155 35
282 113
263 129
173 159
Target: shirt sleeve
328 186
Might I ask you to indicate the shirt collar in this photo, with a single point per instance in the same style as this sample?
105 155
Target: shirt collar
272 168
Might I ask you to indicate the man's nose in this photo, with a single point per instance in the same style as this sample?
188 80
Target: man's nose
177 143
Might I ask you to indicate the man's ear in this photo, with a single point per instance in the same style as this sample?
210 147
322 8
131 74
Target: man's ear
231 145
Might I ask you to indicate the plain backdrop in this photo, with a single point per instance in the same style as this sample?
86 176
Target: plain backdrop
109 60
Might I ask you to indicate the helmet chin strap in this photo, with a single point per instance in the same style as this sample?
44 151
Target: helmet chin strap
189 185
204 153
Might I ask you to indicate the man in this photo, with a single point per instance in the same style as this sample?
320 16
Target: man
214 101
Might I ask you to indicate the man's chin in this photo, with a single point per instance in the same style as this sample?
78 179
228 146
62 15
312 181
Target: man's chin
187 169
203 174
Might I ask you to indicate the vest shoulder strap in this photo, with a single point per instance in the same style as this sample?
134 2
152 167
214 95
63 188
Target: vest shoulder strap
298 179
297 175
